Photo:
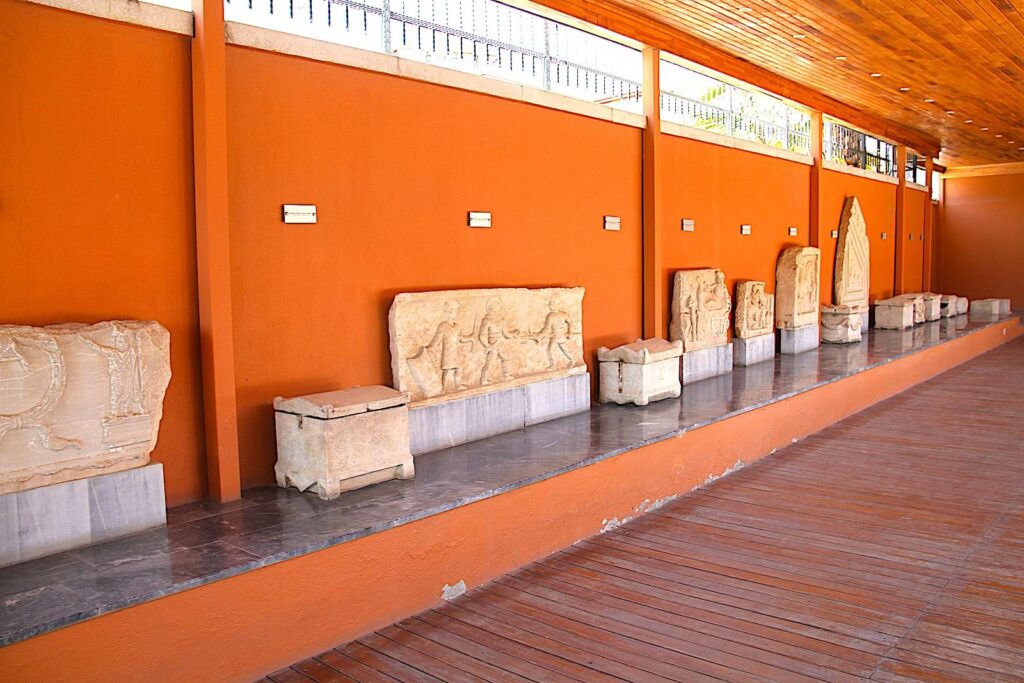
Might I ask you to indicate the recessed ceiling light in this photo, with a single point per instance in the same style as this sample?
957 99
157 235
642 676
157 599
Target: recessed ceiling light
904 89
999 135
929 100
744 10
876 75
984 127
799 36
968 120
840 58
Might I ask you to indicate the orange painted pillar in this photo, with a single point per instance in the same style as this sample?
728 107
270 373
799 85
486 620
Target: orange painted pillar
929 230
814 220
213 249
655 304
901 229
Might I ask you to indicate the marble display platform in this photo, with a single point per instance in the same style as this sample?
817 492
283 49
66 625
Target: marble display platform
462 420
205 542
57 517
705 363
753 350
799 340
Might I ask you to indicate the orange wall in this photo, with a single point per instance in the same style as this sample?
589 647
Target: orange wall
913 219
878 202
722 188
96 195
393 166
981 237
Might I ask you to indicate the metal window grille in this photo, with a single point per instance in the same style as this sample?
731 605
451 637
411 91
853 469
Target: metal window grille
915 170
479 36
843 145
693 99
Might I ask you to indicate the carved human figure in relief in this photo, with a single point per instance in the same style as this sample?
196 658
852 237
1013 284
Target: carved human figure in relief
717 303
806 285
558 331
492 337
447 344
124 362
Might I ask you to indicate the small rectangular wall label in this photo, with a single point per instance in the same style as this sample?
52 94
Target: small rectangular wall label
792 231
688 225
835 234
298 213
744 229
479 219
910 235
885 235
613 223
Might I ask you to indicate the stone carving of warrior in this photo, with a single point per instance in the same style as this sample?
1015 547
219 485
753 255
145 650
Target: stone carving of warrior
558 329
447 340
124 363
492 335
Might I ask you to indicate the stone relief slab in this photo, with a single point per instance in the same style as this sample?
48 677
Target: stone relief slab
79 400
853 262
700 309
840 324
797 282
755 309
458 343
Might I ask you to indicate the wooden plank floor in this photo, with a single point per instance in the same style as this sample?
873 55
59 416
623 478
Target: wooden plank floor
889 547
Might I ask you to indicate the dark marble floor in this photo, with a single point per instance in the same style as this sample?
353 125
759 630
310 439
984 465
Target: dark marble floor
204 542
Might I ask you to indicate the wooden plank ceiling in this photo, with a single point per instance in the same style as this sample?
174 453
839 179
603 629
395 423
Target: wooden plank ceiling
961 62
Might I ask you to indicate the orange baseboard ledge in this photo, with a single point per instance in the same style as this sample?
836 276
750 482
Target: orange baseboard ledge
243 627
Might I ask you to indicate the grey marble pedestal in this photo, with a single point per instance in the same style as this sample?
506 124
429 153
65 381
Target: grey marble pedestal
50 519
704 363
799 340
753 350
461 420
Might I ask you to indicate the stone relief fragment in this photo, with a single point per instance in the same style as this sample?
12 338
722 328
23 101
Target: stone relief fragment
456 343
755 309
797 277
79 400
700 309
853 261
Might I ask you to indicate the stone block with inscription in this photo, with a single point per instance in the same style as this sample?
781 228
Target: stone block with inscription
797 276
853 259
700 309
644 371
79 400
341 440
459 343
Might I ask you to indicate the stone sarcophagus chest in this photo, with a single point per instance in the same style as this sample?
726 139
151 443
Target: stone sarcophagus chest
342 440
79 400
644 371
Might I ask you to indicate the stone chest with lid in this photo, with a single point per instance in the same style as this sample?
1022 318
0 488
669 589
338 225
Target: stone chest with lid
341 440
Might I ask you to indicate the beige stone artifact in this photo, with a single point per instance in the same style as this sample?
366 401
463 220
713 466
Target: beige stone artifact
918 302
79 400
932 306
797 277
991 307
962 304
853 262
894 314
644 371
342 440
947 305
457 343
755 309
700 309
841 324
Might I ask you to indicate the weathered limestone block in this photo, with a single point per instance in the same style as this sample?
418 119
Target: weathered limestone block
947 305
932 306
644 371
755 310
992 307
700 309
706 363
917 300
962 305
894 314
79 400
797 277
342 440
853 262
840 324
459 343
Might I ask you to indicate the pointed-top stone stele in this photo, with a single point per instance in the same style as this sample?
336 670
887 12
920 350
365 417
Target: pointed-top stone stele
853 263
